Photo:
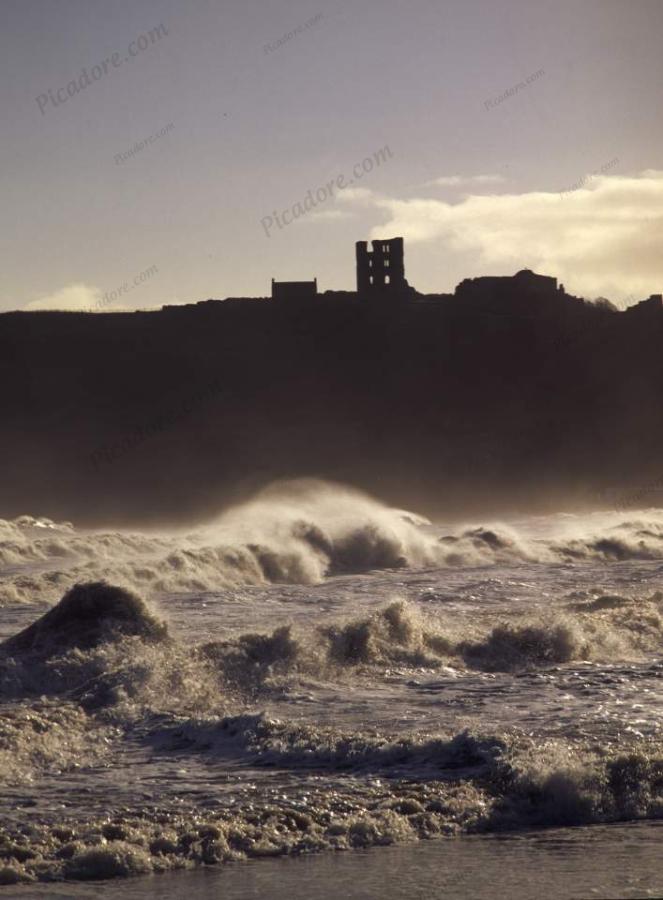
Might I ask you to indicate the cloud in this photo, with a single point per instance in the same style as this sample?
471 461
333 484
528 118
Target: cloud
76 297
605 238
330 215
356 195
79 297
458 180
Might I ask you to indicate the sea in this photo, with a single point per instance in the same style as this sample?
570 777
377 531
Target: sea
317 695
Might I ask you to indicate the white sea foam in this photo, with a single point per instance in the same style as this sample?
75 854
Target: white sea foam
482 677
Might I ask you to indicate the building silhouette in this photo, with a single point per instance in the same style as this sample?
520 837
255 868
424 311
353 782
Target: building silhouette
652 306
523 282
294 291
380 274
382 269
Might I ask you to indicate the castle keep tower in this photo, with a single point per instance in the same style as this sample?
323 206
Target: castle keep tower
381 270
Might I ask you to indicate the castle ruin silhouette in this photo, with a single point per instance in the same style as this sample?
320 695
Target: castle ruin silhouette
380 274
382 268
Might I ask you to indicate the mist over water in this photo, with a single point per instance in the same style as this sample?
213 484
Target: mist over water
311 670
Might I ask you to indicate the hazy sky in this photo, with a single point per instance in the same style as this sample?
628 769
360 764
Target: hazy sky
562 174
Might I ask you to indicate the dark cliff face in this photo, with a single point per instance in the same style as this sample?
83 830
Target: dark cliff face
447 406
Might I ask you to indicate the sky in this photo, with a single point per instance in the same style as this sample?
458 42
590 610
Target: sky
157 152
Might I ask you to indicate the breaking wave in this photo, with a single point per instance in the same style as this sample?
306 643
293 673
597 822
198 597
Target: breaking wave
399 634
103 649
296 532
103 646
87 615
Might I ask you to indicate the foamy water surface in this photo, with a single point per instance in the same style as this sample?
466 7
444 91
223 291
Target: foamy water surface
316 672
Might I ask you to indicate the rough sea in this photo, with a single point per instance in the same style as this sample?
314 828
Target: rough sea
465 710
